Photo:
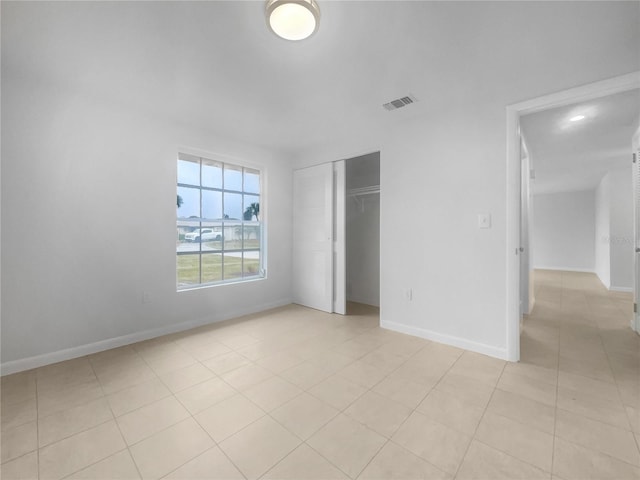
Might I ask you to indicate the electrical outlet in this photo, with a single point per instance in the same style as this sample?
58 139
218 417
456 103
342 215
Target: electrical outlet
409 294
146 297
484 220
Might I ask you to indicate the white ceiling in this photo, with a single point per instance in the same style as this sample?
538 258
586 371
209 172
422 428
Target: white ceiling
216 65
571 156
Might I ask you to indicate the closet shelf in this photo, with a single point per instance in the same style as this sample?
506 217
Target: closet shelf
358 192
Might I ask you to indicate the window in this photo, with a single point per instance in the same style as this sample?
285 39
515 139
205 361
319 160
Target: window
219 223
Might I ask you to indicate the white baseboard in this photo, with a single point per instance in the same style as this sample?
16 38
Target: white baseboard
635 324
621 289
15 366
365 300
464 343
566 269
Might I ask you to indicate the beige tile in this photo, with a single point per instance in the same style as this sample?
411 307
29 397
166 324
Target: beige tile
590 386
598 436
633 415
212 465
384 361
466 389
22 468
261 445
337 391
529 387
137 396
209 350
331 361
18 388
226 362
379 413
612 413
404 391
347 444
55 401
395 463
205 394
16 414
436 443
304 415
479 367
73 420
246 376
363 374
574 462
599 370
186 377
547 375
145 421
354 349
238 341
228 416
169 449
120 379
79 451
306 375
16 441
523 410
483 462
169 361
272 393
304 463
451 411
279 362
521 441
116 467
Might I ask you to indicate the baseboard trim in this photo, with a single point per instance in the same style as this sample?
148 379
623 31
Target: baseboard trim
366 301
459 342
20 365
567 269
621 289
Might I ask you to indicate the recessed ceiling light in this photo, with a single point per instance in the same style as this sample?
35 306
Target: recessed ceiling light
577 118
293 19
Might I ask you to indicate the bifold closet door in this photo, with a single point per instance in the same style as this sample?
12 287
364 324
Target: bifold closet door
313 237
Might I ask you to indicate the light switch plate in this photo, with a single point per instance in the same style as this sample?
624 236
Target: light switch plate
484 220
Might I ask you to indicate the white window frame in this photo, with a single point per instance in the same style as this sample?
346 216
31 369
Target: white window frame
203 223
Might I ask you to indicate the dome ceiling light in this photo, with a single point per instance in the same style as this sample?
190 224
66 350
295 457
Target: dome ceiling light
293 19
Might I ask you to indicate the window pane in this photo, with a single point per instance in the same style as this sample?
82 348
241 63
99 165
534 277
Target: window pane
211 205
232 177
251 181
233 236
189 199
188 267
211 237
187 232
211 267
251 264
211 174
251 235
232 265
251 208
188 169
233 206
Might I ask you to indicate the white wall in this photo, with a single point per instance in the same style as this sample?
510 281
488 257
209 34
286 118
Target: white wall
621 237
88 225
603 231
363 249
564 231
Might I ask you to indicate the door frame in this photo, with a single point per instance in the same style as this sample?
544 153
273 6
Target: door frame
590 91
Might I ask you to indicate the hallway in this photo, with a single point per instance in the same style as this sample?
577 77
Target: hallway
579 355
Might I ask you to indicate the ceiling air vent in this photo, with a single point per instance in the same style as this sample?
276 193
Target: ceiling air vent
400 102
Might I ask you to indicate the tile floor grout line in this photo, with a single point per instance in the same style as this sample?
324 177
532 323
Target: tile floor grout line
117 426
475 432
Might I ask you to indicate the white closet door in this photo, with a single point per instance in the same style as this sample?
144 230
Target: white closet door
636 202
313 237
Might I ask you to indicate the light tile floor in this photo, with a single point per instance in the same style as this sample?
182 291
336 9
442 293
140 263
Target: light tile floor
297 394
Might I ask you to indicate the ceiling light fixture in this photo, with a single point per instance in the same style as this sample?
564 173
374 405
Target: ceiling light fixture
293 19
577 118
